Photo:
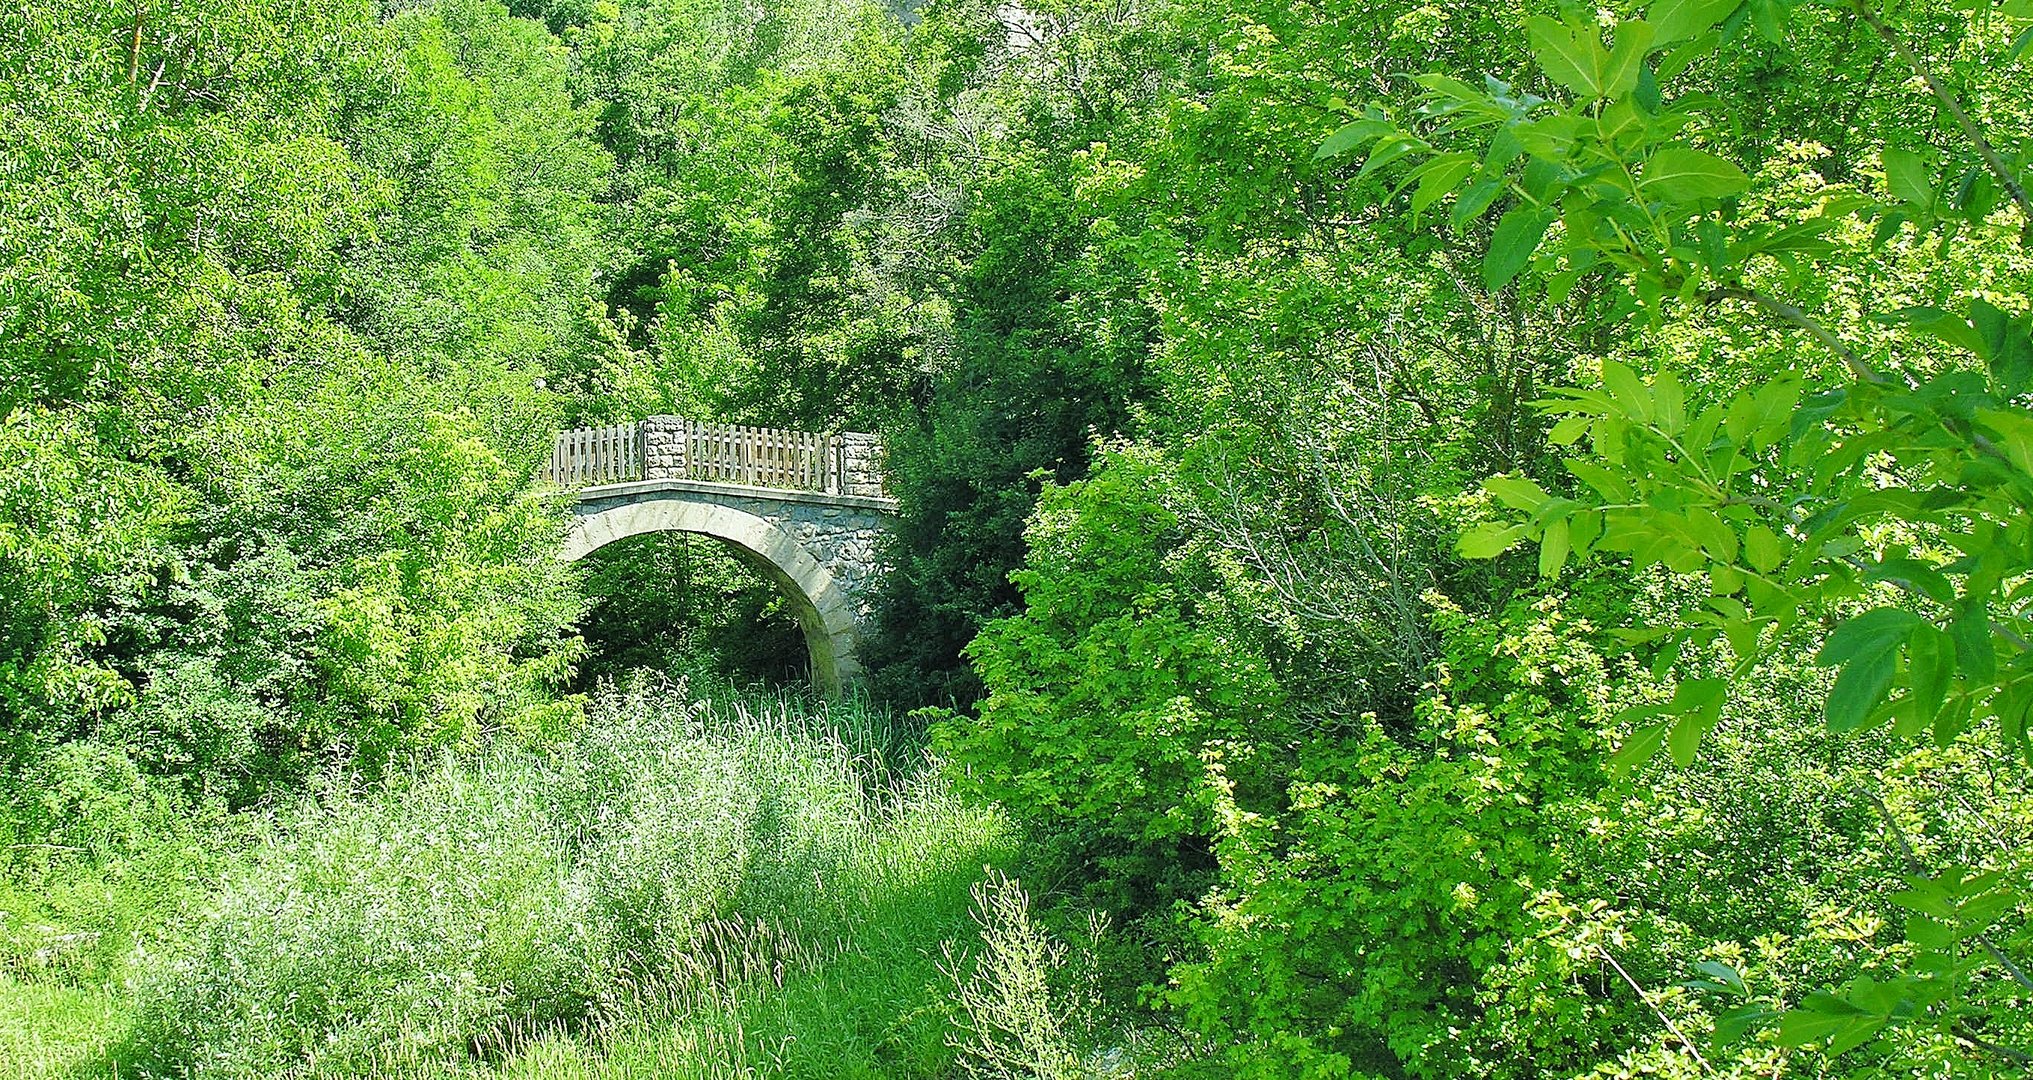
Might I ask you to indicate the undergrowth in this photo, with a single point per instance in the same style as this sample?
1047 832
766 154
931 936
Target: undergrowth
687 885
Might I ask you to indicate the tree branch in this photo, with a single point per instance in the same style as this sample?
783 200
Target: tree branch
2019 1057
1792 315
134 49
1656 1011
1955 111
1914 865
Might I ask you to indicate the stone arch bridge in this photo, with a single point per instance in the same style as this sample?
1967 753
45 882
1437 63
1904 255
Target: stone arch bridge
803 508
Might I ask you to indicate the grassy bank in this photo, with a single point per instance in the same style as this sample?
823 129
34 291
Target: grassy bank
690 885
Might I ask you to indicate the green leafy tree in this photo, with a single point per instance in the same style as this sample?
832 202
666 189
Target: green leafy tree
278 289
1882 486
1112 695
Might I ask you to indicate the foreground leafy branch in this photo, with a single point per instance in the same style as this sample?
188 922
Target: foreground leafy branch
1895 502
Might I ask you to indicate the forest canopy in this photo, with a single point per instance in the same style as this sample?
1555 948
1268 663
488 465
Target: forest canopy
1430 540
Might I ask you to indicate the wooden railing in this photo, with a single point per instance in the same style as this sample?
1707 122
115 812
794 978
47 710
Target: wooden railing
602 455
674 448
760 457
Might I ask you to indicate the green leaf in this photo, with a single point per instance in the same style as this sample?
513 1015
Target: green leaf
1974 651
1389 150
1574 60
1439 176
1646 94
1877 630
1451 88
1685 739
1888 227
2008 346
1627 389
1710 533
1798 1027
1352 135
1510 250
1951 722
1516 492
1930 663
1859 690
1855 1034
1700 696
1698 702
1682 174
1769 18
1926 897
1686 54
2014 705
1913 572
1763 549
1909 178
1732 1026
1474 201
1743 638
1631 40
1544 181
2013 429
1669 398
1553 548
1609 484
1774 410
1641 747
1722 973
1569 430
1823 1003
1488 540
1953 329
1678 20
1977 195
1929 933
1867 647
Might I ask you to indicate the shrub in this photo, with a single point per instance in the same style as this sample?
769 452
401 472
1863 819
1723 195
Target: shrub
1014 1023
95 856
1111 691
1383 921
439 912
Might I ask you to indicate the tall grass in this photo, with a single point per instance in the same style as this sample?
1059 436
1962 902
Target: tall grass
688 886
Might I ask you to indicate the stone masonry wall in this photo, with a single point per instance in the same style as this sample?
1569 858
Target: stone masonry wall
842 538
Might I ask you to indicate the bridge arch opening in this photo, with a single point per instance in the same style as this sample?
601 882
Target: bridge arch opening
824 611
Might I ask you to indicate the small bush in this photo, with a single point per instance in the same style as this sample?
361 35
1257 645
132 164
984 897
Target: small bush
1014 1023
95 856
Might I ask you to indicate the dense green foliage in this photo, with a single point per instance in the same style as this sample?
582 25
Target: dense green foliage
698 882
275 329
1436 540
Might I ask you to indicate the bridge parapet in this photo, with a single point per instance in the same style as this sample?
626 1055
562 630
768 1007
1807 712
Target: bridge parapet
675 448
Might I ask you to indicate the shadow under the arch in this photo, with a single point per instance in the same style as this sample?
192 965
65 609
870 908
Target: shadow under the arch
673 601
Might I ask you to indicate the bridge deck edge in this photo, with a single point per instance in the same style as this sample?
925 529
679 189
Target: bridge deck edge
706 487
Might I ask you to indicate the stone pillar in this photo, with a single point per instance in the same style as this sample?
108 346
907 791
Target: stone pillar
663 447
860 464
